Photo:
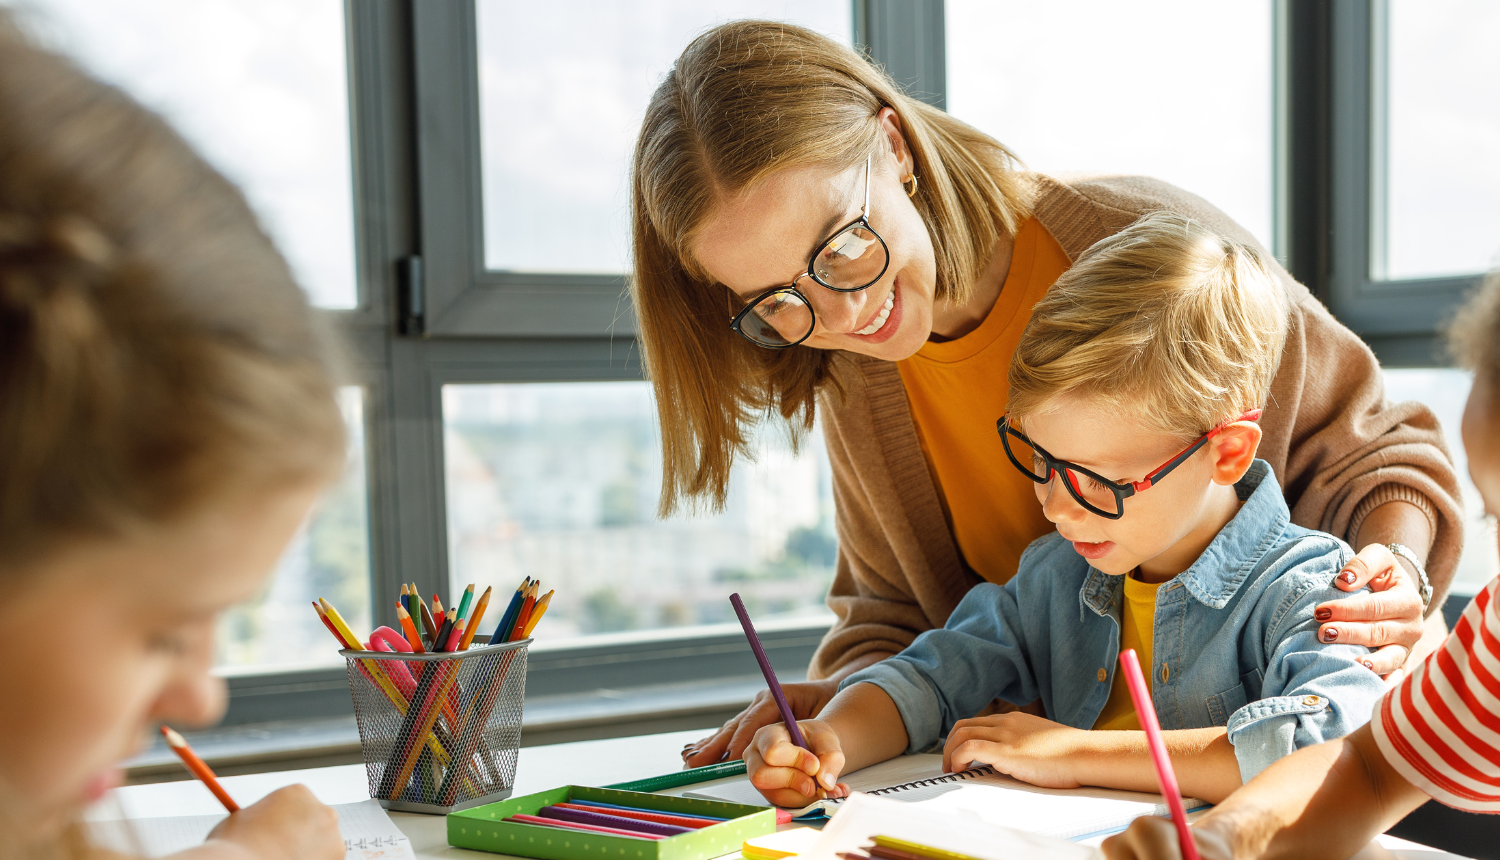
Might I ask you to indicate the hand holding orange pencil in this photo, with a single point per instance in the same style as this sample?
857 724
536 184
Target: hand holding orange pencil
198 768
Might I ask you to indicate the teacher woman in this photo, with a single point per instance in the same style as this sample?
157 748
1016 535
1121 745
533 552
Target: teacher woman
808 239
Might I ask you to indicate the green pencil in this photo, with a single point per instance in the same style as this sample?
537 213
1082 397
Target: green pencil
683 777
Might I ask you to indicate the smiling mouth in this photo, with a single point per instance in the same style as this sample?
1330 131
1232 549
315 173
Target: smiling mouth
880 318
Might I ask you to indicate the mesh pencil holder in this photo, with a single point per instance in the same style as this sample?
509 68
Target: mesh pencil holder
439 732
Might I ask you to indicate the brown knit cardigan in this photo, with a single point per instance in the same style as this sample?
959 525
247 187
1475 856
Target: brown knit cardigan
1339 448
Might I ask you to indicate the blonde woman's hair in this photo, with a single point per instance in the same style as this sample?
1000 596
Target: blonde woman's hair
1474 334
155 351
745 100
1165 320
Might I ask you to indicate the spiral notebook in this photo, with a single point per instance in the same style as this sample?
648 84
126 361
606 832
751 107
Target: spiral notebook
1075 813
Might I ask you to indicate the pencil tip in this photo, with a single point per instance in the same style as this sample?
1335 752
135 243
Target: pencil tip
173 738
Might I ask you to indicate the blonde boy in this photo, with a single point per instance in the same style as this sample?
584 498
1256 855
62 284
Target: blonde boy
1133 399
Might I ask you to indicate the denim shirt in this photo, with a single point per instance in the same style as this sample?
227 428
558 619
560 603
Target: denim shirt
1234 641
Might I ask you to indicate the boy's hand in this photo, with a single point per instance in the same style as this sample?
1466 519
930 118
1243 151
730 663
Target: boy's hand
1030 748
288 822
1152 838
790 776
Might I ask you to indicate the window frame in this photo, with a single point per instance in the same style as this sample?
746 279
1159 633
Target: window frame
1333 119
429 314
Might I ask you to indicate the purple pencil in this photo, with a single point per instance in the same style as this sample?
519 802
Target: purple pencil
765 669
599 819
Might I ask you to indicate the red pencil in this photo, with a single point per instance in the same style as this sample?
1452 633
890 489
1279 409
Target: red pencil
198 768
568 825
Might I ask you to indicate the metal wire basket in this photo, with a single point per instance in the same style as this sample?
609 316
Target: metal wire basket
439 732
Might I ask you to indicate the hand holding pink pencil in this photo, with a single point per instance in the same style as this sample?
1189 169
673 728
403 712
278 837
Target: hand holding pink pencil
1145 711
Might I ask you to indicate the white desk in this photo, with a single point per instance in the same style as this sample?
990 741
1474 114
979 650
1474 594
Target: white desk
540 768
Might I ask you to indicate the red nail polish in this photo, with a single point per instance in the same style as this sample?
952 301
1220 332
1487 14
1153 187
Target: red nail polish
1330 634
1348 576
1323 613
1368 665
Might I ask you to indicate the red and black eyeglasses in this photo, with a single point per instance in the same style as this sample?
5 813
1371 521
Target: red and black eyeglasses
1096 493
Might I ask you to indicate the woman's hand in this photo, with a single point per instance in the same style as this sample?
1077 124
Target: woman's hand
1388 619
289 822
790 776
1030 748
807 699
1152 838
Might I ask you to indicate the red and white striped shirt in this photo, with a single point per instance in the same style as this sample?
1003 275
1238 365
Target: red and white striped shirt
1440 729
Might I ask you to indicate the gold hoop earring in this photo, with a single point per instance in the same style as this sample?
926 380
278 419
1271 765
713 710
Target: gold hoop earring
912 178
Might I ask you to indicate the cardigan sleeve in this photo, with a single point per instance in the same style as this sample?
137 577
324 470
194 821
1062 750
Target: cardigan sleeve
1340 447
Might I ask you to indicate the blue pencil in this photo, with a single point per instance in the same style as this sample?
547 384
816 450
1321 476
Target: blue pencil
510 613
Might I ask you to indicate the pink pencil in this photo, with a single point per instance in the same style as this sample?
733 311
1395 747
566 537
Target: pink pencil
1146 713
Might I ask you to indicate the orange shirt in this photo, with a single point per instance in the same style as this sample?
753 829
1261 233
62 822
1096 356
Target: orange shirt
957 392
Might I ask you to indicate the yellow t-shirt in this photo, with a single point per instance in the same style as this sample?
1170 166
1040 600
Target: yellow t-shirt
1137 620
957 392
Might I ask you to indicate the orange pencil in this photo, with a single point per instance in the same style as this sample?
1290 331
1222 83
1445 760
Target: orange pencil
409 629
525 614
474 619
198 768
536 615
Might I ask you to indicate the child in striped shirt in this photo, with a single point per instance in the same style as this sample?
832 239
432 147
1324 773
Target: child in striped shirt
1436 735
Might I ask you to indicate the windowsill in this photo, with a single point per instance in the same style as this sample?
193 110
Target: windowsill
602 713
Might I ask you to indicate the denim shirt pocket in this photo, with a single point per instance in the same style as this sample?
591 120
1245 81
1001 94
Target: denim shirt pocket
1223 704
1261 732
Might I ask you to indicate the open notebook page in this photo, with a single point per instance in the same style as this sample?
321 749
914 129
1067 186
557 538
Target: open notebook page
1074 813
369 834
864 816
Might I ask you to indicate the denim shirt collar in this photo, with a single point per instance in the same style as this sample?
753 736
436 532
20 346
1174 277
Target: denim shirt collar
1223 567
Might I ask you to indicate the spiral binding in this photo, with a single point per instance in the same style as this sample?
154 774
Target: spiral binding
982 770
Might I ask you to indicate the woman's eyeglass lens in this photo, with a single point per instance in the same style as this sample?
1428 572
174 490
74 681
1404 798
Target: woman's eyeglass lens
1084 486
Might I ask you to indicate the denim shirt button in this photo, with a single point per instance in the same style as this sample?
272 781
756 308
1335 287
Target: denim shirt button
1166 673
1102 675
1311 701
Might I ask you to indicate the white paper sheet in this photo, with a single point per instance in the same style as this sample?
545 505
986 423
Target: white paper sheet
369 834
864 816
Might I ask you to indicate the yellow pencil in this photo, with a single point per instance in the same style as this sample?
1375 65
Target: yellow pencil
338 623
536 614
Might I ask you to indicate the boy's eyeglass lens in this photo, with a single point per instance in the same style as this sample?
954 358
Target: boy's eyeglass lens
1087 488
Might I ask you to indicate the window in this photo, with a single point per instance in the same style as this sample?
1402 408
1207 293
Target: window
1172 89
561 97
1439 172
261 89
561 481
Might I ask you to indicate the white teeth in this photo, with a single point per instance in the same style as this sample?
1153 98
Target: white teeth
885 314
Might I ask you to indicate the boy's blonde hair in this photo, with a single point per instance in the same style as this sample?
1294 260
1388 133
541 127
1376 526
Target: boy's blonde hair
1474 334
1165 319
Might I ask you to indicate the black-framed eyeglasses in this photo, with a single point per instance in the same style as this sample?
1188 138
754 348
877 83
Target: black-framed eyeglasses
1094 492
852 259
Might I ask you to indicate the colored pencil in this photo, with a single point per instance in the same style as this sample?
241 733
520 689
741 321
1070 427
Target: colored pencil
643 815
770 674
569 825
901 849
602 805
198 768
329 624
456 635
527 605
537 612
338 621
473 625
1145 712
443 631
619 822
410 630
466 602
429 624
502 629
437 607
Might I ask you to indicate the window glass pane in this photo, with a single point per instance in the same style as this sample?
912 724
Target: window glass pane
1444 391
560 481
329 557
1442 157
260 88
1178 90
563 87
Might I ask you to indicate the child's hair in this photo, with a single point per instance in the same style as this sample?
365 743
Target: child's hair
747 99
155 352
1474 334
1165 320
